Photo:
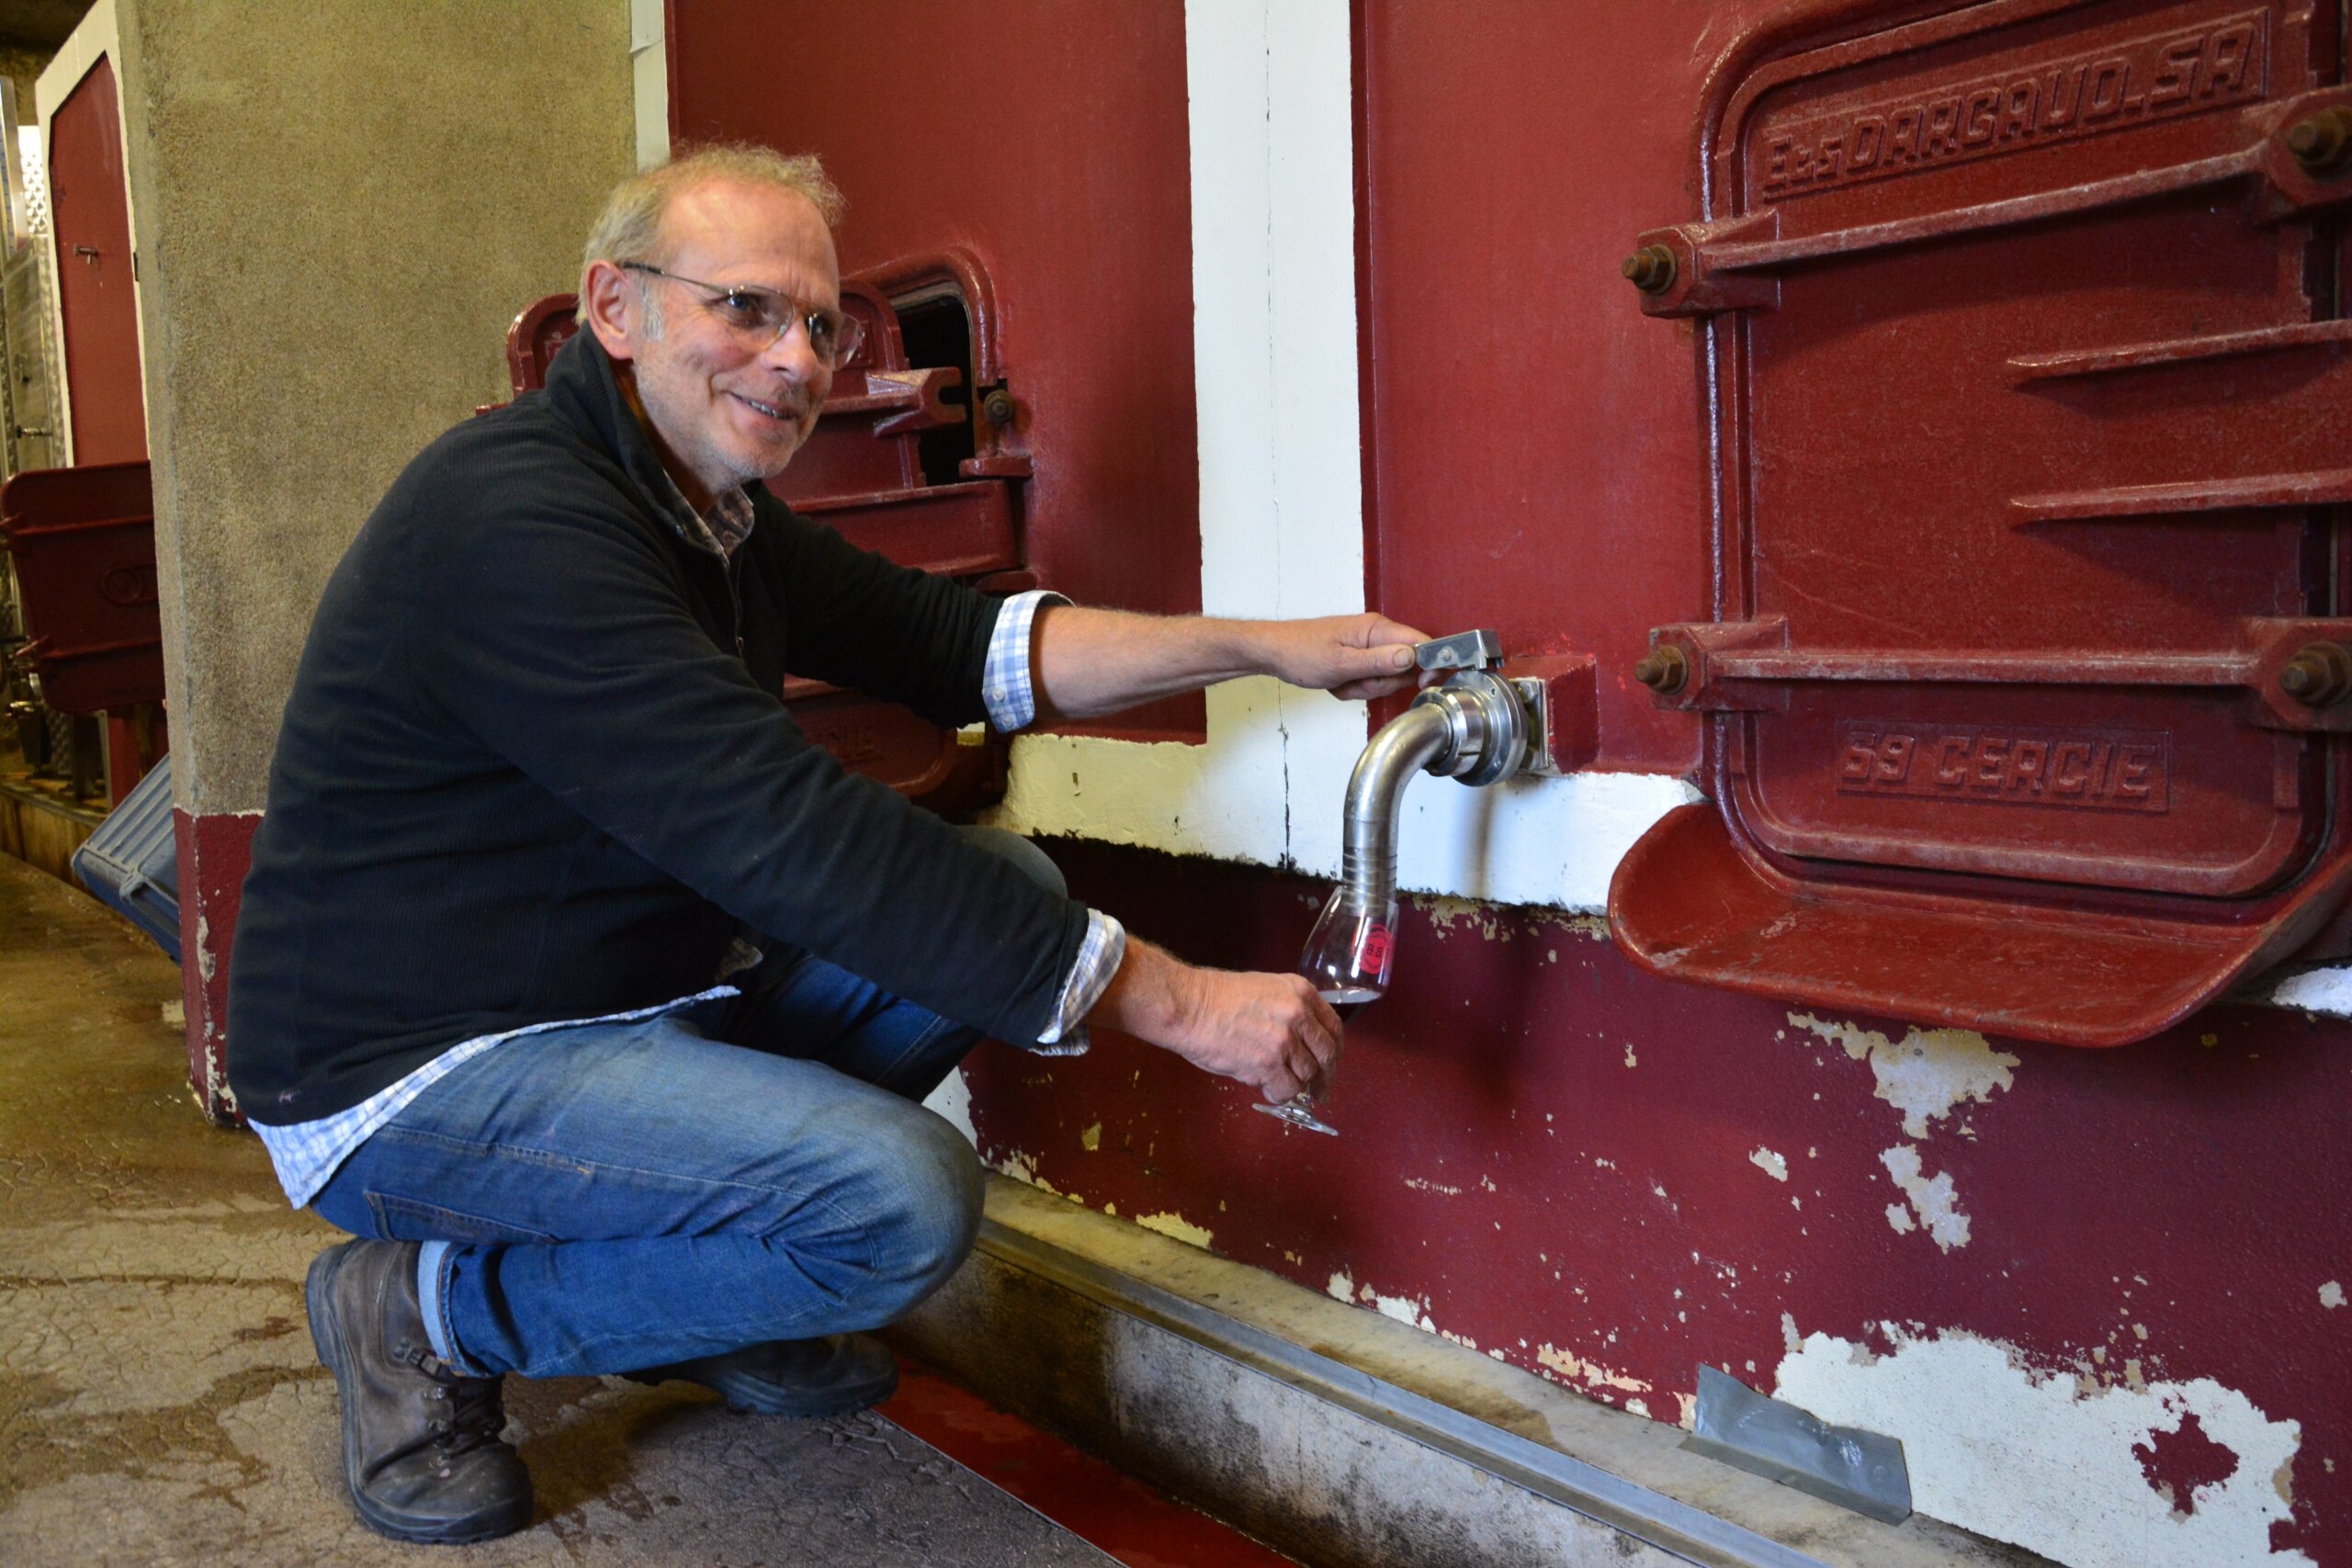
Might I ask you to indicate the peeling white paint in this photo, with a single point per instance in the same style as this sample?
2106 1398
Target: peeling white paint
1091 1139
1770 1163
1573 1368
1176 1225
2331 1296
2043 1461
1404 1309
952 1100
2325 992
1024 1168
1932 1198
1446 914
1927 1073
1900 1218
1340 1288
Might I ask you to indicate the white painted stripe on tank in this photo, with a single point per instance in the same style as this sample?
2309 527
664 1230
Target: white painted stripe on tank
1282 518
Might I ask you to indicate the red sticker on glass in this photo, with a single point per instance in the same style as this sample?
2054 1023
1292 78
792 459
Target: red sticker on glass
1371 952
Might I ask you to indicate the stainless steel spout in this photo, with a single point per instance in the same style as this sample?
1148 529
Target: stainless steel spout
1474 728
1477 727
1406 745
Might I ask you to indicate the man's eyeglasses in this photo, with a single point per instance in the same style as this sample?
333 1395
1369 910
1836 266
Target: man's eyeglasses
763 315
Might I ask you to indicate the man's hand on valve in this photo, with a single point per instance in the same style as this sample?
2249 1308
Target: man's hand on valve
1092 662
1354 656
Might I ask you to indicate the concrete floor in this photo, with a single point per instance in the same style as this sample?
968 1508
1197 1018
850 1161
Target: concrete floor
159 1398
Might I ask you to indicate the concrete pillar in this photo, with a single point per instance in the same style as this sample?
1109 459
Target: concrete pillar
337 208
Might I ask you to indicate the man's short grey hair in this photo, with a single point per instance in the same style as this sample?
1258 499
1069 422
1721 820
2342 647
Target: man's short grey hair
629 229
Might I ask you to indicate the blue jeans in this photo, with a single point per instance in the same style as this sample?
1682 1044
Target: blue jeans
613 1197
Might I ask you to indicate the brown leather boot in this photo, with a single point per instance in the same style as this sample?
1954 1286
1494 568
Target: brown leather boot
421 1449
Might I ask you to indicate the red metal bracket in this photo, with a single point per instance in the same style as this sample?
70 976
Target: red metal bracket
909 399
1561 689
2297 672
1687 666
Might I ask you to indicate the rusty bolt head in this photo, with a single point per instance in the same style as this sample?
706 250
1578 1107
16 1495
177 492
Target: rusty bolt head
2323 145
1650 269
1663 669
2319 675
998 406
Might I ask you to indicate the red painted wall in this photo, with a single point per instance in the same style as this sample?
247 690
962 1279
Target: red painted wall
1540 1144
1536 463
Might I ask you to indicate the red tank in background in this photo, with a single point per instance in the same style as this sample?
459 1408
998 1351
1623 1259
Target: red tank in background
81 543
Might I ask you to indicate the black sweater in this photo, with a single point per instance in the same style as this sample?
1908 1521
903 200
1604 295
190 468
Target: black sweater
524 774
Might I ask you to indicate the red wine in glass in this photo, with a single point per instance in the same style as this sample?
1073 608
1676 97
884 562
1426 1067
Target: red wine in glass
1347 957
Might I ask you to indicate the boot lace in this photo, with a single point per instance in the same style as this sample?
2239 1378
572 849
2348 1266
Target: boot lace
475 1407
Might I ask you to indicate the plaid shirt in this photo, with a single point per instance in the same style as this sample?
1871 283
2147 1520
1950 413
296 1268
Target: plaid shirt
307 1154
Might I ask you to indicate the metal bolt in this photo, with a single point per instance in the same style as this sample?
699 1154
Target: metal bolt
1650 269
2319 675
1663 669
2323 145
998 406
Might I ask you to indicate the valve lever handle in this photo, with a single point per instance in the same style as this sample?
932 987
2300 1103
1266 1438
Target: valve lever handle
1463 650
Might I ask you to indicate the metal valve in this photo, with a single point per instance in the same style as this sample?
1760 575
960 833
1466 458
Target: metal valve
1500 724
1463 650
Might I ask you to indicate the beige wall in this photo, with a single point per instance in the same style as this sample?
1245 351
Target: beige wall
338 207
21 64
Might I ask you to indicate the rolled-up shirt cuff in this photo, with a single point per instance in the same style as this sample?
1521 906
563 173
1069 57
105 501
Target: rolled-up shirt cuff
1099 957
1007 683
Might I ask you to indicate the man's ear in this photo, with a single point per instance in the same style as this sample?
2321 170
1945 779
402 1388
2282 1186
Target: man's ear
616 309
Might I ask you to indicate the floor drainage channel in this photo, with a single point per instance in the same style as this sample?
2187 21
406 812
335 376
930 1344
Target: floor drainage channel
1650 1517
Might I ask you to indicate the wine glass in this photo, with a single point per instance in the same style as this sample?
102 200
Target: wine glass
1346 956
